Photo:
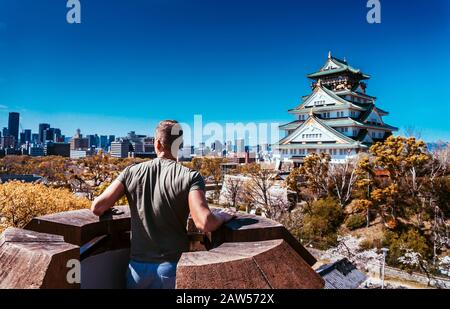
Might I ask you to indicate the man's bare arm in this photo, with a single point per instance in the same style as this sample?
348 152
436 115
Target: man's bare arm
108 198
203 218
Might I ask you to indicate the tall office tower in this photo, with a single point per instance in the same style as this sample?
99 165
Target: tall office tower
5 132
42 128
49 135
13 127
22 139
34 138
104 142
111 139
58 135
27 133
97 141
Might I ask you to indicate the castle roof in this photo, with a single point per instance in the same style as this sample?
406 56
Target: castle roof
321 125
333 66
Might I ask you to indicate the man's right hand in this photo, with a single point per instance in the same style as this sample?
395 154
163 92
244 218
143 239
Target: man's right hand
226 215
206 220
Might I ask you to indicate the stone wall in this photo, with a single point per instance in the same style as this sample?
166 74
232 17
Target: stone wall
247 252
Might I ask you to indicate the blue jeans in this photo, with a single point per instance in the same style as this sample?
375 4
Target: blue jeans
142 275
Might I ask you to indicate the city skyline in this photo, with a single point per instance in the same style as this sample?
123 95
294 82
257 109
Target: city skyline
239 62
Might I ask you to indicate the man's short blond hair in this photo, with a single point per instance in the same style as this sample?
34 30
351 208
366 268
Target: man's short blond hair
167 132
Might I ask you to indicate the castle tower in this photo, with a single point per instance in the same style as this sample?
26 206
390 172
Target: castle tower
338 117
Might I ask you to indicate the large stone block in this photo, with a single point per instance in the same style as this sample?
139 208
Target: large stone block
250 265
81 226
35 260
251 228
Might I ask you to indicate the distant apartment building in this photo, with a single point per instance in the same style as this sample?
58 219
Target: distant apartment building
57 149
217 147
7 142
137 146
186 152
149 144
22 178
36 151
120 148
78 154
78 142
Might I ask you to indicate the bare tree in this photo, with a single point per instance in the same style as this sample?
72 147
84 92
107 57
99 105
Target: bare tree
233 186
344 177
261 192
412 131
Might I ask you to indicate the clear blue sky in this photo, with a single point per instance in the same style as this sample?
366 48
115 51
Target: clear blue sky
131 63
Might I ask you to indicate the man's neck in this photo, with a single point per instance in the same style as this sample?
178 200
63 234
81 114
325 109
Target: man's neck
166 156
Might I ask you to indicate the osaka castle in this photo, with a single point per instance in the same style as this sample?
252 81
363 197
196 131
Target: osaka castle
338 117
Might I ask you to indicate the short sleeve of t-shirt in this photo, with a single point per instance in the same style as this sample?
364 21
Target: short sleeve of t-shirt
124 176
197 182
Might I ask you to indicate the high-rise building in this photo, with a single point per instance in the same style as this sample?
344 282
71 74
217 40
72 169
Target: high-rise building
7 142
35 138
240 145
5 131
49 135
338 117
92 140
27 136
111 139
22 139
58 136
104 142
13 127
78 142
120 148
42 128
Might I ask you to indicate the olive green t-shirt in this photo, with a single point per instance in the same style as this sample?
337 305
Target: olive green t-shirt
157 192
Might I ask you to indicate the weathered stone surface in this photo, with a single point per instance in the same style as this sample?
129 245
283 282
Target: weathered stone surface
248 252
34 260
250 265
80 226
247 227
